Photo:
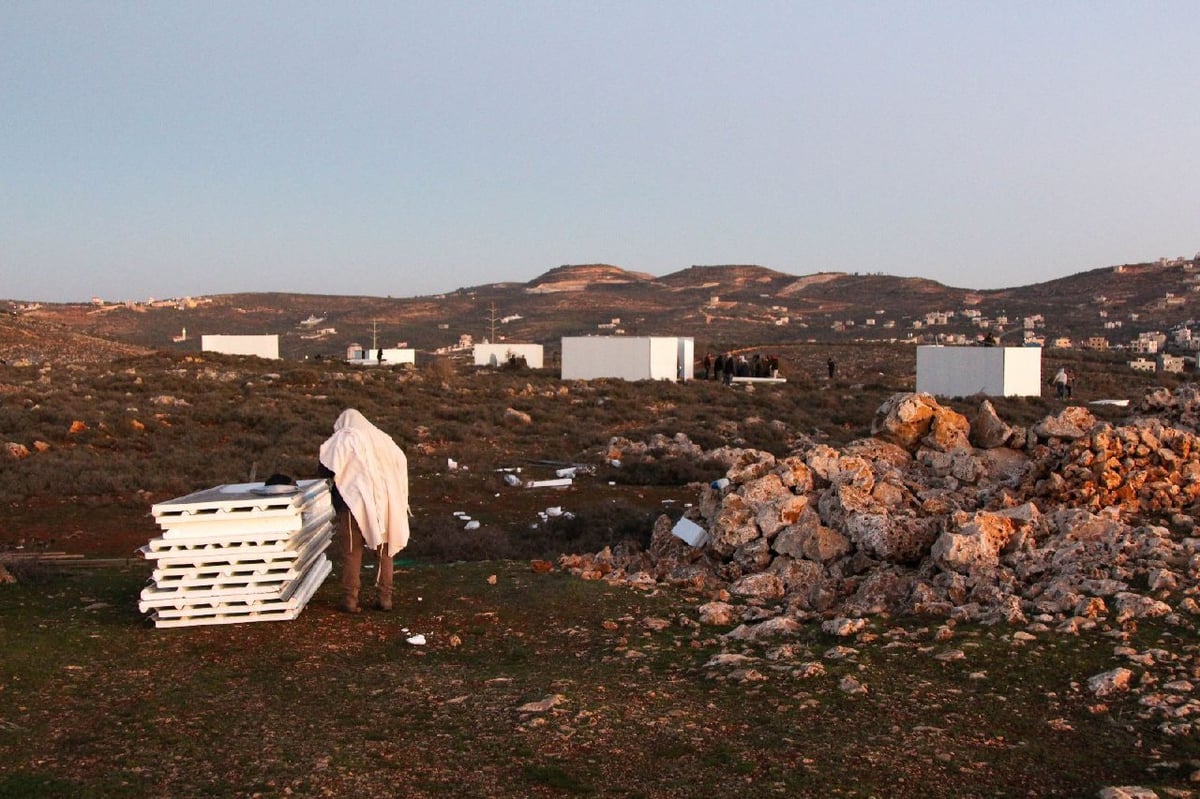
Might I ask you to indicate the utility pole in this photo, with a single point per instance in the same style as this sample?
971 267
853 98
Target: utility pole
492 320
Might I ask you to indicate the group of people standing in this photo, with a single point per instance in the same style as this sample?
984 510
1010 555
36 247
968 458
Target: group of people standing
727 366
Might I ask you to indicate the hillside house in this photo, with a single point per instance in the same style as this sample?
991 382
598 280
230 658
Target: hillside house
1148 343
465 342
1142 365
1061 342
1170 364
1095 343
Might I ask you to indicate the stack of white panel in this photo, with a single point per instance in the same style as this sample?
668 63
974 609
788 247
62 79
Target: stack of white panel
238 553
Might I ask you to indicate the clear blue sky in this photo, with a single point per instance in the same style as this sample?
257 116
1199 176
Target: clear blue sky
408 148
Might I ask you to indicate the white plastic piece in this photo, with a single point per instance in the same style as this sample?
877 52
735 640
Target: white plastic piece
689 531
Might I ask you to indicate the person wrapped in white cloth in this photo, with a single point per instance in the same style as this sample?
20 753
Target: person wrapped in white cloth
370 493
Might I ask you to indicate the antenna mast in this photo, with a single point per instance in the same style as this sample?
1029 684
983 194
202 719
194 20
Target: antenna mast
492 320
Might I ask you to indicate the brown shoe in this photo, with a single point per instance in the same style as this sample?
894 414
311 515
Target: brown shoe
383 604
349 606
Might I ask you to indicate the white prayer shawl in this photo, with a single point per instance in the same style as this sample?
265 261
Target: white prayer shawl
371 473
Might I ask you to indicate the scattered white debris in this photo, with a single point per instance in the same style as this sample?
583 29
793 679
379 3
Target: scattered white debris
472 525
689 531
451 464
416 640
556 483
512 480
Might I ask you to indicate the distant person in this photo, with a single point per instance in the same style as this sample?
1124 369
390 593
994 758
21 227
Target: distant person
719 367
1070 383
831 366
379 355
370 494
1061 384
728 369
708 362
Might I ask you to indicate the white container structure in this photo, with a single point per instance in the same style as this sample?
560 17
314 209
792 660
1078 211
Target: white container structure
392 356
262 346
627 357
238 553
992 371
498 354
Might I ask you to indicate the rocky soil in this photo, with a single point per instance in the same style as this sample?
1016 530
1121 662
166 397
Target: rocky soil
1068 526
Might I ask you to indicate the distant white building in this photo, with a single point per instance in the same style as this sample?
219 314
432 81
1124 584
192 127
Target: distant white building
628 357
499 354
262 346
358 355
992 371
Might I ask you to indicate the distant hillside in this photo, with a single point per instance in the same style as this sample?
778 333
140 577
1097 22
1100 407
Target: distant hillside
724 306
581 278
26 340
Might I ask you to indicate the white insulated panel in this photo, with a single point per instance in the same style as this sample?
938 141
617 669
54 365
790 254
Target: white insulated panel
238 553
280 608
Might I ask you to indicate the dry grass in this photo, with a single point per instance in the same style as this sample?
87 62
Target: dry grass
95 703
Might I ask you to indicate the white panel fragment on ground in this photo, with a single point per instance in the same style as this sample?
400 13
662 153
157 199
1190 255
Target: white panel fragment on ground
238 553
556 483
689 531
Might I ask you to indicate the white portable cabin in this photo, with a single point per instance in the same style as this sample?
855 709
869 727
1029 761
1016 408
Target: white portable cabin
356 355
627 357
262 346
498 354
992 371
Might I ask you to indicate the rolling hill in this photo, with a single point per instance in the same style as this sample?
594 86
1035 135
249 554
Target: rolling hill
720 306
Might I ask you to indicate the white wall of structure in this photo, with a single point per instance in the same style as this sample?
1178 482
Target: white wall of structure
262 346
627 357
392 356
497 354
993 371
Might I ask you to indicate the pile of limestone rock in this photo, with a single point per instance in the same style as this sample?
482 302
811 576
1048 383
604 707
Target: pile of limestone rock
1055 525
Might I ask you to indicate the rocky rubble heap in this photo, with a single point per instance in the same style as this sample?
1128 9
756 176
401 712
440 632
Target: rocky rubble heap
1057 526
